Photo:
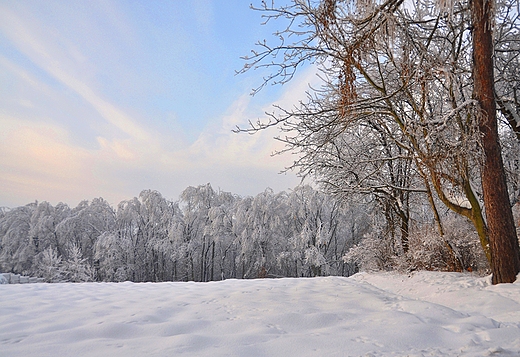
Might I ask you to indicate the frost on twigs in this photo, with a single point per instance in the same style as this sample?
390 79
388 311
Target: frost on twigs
458 250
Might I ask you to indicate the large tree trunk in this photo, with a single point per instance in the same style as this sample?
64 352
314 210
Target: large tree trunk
505 263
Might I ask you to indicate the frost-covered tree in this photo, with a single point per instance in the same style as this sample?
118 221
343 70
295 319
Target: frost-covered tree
207 234
160 229
77 268
265 231
49 266
322 232
111 255
423 76
29 231
84 225
223 233
196 203
142 229
384 120
44 222
17 250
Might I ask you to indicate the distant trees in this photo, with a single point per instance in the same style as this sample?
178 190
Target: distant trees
405 112
206 235
212 235
18 246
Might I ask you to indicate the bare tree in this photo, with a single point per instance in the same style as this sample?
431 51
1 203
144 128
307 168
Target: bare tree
405 70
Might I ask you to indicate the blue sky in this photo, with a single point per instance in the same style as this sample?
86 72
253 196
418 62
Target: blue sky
107 98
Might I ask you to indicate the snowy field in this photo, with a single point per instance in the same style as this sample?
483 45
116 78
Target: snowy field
425 314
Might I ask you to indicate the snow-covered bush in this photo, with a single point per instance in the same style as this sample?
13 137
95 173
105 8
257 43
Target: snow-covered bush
49 266
459 249
373 253
76 268
429 251
466 245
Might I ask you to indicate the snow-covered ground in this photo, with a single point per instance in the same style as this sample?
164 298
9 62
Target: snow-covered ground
425 314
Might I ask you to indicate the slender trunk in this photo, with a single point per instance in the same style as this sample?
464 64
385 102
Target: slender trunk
433 206
192 268
405 228
203 260
234 273
505 262
478 220
212 261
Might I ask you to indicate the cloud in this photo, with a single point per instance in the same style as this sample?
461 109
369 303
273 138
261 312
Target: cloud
40 160
58 63
41 157
218 146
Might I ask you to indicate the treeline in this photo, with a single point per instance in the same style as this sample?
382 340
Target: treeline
206 235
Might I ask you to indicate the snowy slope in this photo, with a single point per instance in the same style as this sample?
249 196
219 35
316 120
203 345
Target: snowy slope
426 314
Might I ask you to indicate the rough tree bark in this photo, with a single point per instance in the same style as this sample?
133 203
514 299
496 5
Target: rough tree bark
505 263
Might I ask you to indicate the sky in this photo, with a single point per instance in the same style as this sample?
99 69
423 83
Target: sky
108 98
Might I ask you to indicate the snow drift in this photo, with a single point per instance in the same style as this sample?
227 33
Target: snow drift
425 314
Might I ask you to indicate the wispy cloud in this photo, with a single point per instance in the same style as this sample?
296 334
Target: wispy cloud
60 65
41 158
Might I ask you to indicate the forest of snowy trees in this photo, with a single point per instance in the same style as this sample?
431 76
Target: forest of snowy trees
206 235
212 235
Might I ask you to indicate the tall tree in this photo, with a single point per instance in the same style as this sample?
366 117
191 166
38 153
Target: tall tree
503 241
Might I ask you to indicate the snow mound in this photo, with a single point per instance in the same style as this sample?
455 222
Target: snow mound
425 314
